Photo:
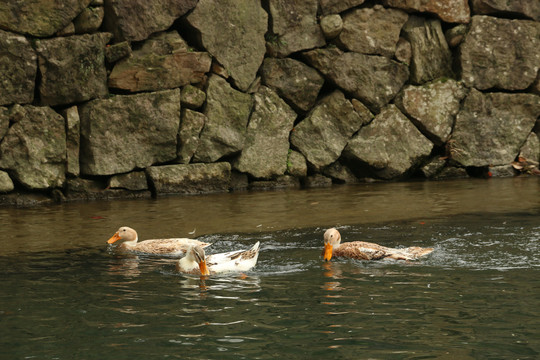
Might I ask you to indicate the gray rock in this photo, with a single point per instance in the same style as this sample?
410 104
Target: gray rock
267 139
190 179
455 35
192 97
72 68
452 11
18 68
434 167
135 20
117 51
338 6
235 36
403 51
490 128
502 171
39 18
4 121
296 164
365 115
73 139
125 132
228 112
6 184
239 181
391 146
433 107
188 134
323 134
163 62
89 20
374 80
500 53
293 80
431 57
281 182
134 181
373 31
531 149
34 148
528 8
331 25
451 172
294 27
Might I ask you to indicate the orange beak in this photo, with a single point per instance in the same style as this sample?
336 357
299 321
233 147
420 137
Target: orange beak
114 238
327 252
203 268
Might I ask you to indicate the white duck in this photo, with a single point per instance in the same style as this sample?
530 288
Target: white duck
172 247
197 263
365 250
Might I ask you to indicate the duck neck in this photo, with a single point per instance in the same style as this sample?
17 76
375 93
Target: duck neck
131 243
187 263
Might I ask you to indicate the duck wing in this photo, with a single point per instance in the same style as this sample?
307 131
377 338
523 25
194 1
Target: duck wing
238 260
362 250
173 247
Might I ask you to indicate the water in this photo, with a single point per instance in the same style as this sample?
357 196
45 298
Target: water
477 296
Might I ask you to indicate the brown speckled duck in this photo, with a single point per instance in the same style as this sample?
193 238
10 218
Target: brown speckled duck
170 247
367 251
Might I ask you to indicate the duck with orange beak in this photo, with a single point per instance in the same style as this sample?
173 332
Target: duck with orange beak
365 250
197 263
170 247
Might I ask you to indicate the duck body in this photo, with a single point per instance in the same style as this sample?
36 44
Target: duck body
196 262
170 247
365 250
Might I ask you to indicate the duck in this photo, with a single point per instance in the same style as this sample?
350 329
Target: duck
365 250
197 263
171 247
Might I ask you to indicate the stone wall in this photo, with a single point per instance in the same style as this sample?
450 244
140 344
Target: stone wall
104 99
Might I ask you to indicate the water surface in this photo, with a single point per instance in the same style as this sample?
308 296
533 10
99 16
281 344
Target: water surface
65 295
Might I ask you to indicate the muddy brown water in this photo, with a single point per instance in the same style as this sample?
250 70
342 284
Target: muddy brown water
65 295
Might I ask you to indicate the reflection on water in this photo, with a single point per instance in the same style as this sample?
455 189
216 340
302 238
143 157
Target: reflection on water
67 296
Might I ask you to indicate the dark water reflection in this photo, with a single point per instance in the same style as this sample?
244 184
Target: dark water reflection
65 296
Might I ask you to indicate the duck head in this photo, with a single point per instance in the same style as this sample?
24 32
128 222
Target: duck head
332 238
197 254
124 233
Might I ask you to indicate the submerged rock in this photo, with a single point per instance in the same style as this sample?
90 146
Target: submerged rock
190 179
18 68
267 139
125 132
390 146
500 53
323 134
34 148
234 36
490 128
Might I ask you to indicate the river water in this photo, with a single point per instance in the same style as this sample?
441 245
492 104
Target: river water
65 295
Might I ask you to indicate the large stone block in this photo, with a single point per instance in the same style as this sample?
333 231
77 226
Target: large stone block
234 36
72 68
18 68
126 132
491 128
34 148
500 53
267 139
190 179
